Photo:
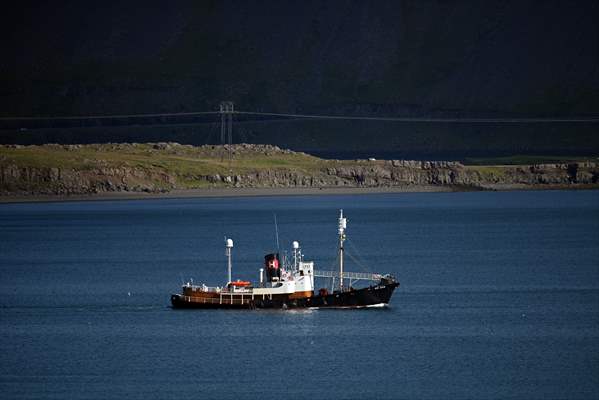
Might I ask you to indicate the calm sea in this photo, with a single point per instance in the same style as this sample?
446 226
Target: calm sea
499 298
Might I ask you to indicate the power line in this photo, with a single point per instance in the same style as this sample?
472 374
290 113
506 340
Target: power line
314 116
420 119
84 117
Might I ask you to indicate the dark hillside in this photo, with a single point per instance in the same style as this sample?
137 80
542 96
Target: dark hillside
410 58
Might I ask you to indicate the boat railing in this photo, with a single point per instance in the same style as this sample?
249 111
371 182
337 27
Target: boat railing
204 288
223 299
236 291
216 289
348 275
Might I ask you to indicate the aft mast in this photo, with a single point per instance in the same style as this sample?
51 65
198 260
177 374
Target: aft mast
229 246
342 227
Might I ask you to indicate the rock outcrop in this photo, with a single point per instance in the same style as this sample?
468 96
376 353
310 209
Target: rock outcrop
44 180
100 175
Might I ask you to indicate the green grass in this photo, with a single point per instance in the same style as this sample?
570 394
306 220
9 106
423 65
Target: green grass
523 159
189 164
488 172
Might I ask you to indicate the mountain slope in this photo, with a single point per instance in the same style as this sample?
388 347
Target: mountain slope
408 58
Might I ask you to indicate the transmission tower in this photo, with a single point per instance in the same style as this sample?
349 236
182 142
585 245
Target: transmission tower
226 125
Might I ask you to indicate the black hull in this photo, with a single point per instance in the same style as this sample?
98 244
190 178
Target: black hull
371 296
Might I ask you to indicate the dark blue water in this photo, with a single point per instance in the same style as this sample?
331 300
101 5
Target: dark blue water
499 298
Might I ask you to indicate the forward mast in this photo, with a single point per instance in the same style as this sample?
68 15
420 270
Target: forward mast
342 227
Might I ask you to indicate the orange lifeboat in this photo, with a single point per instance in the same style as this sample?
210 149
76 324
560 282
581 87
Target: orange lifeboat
239 283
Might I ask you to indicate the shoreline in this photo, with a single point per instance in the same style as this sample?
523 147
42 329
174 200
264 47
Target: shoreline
273 191
134 171
219 192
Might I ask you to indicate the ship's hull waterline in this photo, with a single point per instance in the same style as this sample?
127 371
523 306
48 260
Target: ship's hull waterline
372 296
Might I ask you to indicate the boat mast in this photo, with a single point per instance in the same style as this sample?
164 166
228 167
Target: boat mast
229 246
296 250
342 226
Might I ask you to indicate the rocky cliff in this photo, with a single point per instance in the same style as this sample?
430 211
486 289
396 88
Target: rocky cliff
425 173
161 167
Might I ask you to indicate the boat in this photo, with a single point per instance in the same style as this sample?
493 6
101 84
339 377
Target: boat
289 284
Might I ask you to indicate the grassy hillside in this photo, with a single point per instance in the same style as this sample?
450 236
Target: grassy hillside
171 157
158 167
187 163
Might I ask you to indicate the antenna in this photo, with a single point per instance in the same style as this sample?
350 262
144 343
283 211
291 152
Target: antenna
276 231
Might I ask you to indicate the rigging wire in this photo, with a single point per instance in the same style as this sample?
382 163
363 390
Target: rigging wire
354 259
276 231
353 247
